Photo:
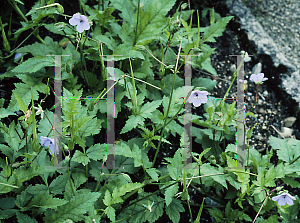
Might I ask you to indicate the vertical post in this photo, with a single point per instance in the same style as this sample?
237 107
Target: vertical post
240 137
188 115
57 111
110 108
58 103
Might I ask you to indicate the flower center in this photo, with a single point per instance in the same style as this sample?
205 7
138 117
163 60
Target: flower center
81 20
196 94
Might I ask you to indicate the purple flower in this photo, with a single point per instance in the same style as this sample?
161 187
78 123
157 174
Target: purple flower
81 21
198 97
258 78
283 199
18 55
45 141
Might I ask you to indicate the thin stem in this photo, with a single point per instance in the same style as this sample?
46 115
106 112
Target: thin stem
99 178
260 210
256 93
134 100
68 165
75 55
167 113
15 6
143 82
137 22
234 77
108 90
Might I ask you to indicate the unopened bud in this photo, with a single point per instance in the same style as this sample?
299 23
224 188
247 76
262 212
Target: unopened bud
60 9
7 169
162 84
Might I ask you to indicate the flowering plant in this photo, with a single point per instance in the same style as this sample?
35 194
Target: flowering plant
81 21
198 97
284 198
126 124
258 78
45 141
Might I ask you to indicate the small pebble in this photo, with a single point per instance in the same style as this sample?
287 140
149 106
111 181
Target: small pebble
288 122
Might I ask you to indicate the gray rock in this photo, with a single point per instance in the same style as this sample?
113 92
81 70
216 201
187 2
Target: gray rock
257 68
232 68
286 132
288 122
275 31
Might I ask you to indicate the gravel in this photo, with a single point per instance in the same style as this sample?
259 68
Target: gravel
274 26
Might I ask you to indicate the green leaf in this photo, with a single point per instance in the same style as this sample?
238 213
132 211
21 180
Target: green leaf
58 185
40 49
152 20
69 188
149 107
123 150
7 203
45 201
215 29
12 136
153 173
204 82
207 169
23 218
27 174
79 178
97 151
206 65
24 90
170 192
290 182
107 198
79 157
127 9
249 132
109 42
216 214
34 64
289 151
121 191
19 2
111 213
5 113
173 210
21 103
132 122
81 203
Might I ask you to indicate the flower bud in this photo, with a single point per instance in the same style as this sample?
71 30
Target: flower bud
54 160
5 41
60 9
64 42
91 106
35 146
47 90
162 84
71 144
127 178
17 180
7 169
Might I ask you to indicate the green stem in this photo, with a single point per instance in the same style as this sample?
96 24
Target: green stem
167 113
75 55
134 100
234 77
68 167
15 6
96 189
137 22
